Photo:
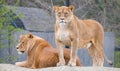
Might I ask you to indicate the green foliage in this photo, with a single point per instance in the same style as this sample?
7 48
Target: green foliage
1 26
118 41
59 2
2 60
7 18
117 59
118 3
11 59
100 4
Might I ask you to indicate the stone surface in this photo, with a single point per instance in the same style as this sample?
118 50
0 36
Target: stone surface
9 67
36 19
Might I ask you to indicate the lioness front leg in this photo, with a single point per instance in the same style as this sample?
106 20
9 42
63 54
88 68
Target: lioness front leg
73 53
60 54
21 64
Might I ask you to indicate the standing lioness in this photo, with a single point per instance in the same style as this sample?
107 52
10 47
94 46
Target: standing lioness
71 31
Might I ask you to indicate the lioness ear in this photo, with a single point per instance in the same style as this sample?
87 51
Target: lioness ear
71 7
55 8
30 35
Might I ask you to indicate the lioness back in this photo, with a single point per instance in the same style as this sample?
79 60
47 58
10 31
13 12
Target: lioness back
93 24
93 27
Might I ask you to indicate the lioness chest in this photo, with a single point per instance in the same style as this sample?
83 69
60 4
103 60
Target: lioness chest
63 35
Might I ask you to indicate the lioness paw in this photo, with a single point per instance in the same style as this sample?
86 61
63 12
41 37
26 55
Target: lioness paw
60 64
71 64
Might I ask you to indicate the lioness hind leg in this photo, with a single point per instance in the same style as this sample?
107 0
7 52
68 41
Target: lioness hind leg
100 59
100 55
92 52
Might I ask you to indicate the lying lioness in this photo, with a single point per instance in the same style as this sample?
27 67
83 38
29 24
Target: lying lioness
40 53
71 31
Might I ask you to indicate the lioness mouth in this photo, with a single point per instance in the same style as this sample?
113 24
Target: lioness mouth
62 21
22 51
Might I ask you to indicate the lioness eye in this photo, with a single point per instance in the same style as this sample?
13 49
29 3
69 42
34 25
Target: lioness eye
66 14
59 13
22 42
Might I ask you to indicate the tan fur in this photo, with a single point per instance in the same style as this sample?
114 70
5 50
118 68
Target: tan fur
71 31
40 53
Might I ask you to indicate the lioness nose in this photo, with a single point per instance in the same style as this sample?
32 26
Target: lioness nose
16 47
62 18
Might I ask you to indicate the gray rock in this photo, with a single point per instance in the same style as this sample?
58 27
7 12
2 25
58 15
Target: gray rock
9 67
36 19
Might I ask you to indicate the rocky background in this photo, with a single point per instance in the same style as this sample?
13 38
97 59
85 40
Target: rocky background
104 11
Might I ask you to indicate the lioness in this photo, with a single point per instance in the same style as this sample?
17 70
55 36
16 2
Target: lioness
40 53
71 31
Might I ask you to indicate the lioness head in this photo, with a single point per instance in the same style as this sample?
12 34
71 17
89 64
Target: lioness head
63 14
25 42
